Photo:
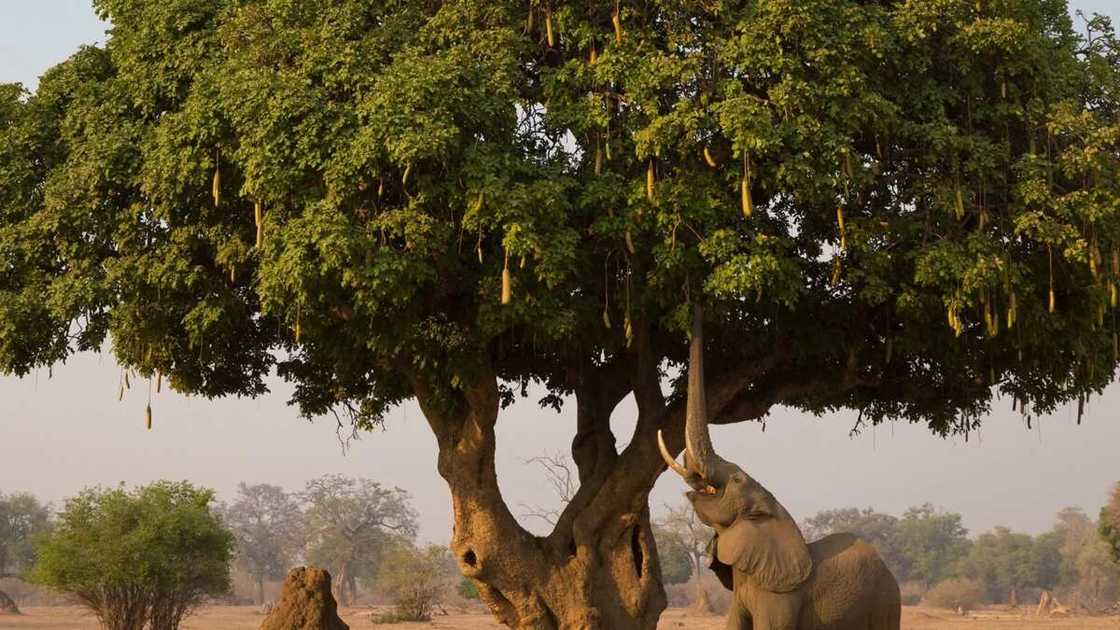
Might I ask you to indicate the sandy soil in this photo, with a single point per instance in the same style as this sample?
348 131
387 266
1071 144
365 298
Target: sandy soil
247 618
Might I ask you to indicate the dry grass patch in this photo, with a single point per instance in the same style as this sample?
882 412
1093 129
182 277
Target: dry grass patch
248 618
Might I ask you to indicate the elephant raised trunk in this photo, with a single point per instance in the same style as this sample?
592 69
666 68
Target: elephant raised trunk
702 465
700 456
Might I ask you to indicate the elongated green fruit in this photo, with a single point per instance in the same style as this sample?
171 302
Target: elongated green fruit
507 284
709 159
745 200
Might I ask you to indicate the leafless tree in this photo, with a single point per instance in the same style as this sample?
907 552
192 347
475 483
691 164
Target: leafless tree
560 473
680 526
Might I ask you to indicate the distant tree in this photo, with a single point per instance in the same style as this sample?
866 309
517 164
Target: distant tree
266 521
1075 531
676 565
1087 570
682 533
876 528
351 523
1048 558
146 557
930 543
1004 562
22 517
417 581
1109 524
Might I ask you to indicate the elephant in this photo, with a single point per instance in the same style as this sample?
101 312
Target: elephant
778 581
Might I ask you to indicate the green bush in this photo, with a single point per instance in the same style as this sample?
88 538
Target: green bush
467 589
956 594
146 557
417 581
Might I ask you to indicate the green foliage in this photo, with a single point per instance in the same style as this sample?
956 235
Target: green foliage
467 589
922 546
956 594
1003 562
149 555
682 543
932 541
676 564
417 581
22 518
403 152
1109 523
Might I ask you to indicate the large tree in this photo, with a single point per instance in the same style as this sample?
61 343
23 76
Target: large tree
900 208
267 523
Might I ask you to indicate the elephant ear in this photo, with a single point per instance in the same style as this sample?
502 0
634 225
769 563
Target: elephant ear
769 548
722 571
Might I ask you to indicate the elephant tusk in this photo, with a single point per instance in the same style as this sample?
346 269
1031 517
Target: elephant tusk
669 460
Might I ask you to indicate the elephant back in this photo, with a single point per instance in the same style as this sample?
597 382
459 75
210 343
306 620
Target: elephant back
850 584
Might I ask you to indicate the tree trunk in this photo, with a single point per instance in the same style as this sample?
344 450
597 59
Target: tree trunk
598 570
260 590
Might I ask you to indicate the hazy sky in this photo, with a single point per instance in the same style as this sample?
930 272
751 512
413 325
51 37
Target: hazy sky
61 433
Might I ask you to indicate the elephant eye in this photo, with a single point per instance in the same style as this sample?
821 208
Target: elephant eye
755 515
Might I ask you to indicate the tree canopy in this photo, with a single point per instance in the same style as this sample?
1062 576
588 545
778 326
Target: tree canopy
399 156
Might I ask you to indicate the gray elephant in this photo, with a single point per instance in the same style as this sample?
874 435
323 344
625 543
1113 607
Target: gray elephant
778 581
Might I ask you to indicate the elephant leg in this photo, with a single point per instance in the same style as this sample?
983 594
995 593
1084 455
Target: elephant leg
738 618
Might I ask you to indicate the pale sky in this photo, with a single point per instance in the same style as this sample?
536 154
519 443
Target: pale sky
61 433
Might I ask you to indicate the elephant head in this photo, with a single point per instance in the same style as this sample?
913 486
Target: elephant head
755 535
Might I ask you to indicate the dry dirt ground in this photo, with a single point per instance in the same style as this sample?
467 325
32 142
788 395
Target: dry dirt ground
247 618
